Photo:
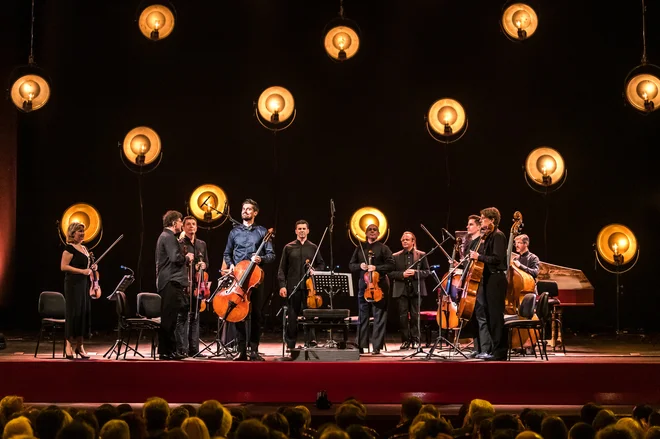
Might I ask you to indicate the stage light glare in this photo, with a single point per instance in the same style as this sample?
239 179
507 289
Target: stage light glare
29 92
85 214
363 218
341 42
616 244
156 22
446 117
276 104
545 166
142 146
205 202
519 21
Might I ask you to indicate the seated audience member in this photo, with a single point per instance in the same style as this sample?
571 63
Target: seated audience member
9 405
212 413
581 430
485 428
192 411
176 417
175 433
532 420
105 413
613 432
652 433
430 428
252 429
528 434
155 413
654 419
297 421
589 411
136 425
506 421
124 408
88 418
603 419
276 421
331 431
195 428
641 414
410 408
76 430
48 423
633 426
553 427
115 429
16 427
431 410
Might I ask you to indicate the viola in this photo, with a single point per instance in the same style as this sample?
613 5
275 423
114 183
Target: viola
95 288
314 300
373 292
447 316
203 288
473 275
232 303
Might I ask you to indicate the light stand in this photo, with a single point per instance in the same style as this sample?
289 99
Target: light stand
419 350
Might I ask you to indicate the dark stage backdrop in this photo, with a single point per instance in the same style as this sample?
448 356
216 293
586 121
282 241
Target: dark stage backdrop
359 136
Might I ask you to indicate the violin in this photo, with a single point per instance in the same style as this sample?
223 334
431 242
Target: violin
373 292
203 290
447 316
232 303
314 300
95 288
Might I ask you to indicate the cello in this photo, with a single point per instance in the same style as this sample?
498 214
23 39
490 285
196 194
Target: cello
472 275
314 300
373 292
232 303
447 316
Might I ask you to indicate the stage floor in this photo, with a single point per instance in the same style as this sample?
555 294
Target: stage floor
606 369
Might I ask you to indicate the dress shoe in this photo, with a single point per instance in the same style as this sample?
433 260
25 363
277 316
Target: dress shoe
405 345
361 350
496 358
313 344
483 355
472 354
375 352
82 355
166 357
241 357
414 344
254 356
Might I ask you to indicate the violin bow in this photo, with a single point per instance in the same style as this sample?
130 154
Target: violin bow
109 248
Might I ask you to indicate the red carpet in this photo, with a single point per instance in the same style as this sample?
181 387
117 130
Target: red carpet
547 383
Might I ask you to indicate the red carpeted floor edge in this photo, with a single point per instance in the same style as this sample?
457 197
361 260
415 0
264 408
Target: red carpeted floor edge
293 382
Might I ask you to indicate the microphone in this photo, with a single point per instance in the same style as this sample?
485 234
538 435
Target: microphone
332 207
448 234
126 268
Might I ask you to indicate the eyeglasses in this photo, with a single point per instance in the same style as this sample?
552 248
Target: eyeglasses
372 230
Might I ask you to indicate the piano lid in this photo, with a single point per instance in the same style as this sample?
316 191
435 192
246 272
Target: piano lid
574 287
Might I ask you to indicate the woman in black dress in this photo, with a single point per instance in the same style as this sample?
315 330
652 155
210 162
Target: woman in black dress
76 268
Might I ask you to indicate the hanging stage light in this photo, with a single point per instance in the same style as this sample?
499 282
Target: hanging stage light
156 21
341 37
363 218
545 167
446 120
519 21
85 214
29 88
208 203
142 148
276 109
642 83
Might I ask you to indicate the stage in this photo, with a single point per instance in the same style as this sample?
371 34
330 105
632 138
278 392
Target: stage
604 369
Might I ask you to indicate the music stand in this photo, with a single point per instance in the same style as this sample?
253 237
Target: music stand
332 284
123 285
221 348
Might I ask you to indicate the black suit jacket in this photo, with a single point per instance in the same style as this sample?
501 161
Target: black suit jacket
400 266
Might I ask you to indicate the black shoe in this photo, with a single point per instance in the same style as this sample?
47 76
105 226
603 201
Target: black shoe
405 345
165 357
361 350
375 352
496 358
241 357
179 356
414 344
472 354
313 344
483 355
254 356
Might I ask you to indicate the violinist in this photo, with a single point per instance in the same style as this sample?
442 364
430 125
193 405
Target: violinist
489 307
292 269
382 262
194 245
171 283
523 258
242 243
404 290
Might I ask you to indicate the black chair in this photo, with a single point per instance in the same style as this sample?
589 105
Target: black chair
148 307
52 309
551 287
125 325
523 321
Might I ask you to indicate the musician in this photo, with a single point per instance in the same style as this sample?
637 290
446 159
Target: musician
242 243
289 275
404 290
524 259
383 263
171 283
194 245
489 307
473 235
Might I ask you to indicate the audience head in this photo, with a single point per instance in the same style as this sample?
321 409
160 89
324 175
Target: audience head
124 408
506 433
115 429
9 405
589 411
485 427
553 427
296 419
641 413
652 433
654 419
462 413
349 414
176 417
76 430
613 432
505 421
212 413
88 418
136 424
422 417
306 413
155 412
195 428
251 429
603 419
192 411
634 427
17 426
532 419
410 408
581 430
105 413
175 433
359 432
431 410
331 431
49 422
528 434
276 421
429 428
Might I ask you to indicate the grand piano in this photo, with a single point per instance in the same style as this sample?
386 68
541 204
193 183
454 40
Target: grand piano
574 290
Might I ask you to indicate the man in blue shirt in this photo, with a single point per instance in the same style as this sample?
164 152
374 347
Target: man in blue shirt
242 243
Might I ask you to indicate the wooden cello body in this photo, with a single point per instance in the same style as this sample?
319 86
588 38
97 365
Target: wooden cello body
473 275
232 303
447 315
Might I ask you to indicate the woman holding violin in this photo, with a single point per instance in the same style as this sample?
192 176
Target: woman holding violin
194 245
297 256
77 270
372 261
491 295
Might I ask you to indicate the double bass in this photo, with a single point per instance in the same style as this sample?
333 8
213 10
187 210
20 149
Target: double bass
472 275
232 303
519 282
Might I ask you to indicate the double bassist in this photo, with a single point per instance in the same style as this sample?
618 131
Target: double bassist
491 295
198 248
293 266
525 259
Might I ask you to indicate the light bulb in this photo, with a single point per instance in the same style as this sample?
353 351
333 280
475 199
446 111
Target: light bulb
647 90
140 145
615 247
156 20
29 90
618 242
447 115
546 164
275 103
210 199
342 41
521 19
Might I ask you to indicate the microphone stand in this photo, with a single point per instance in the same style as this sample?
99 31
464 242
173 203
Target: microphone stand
331 293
